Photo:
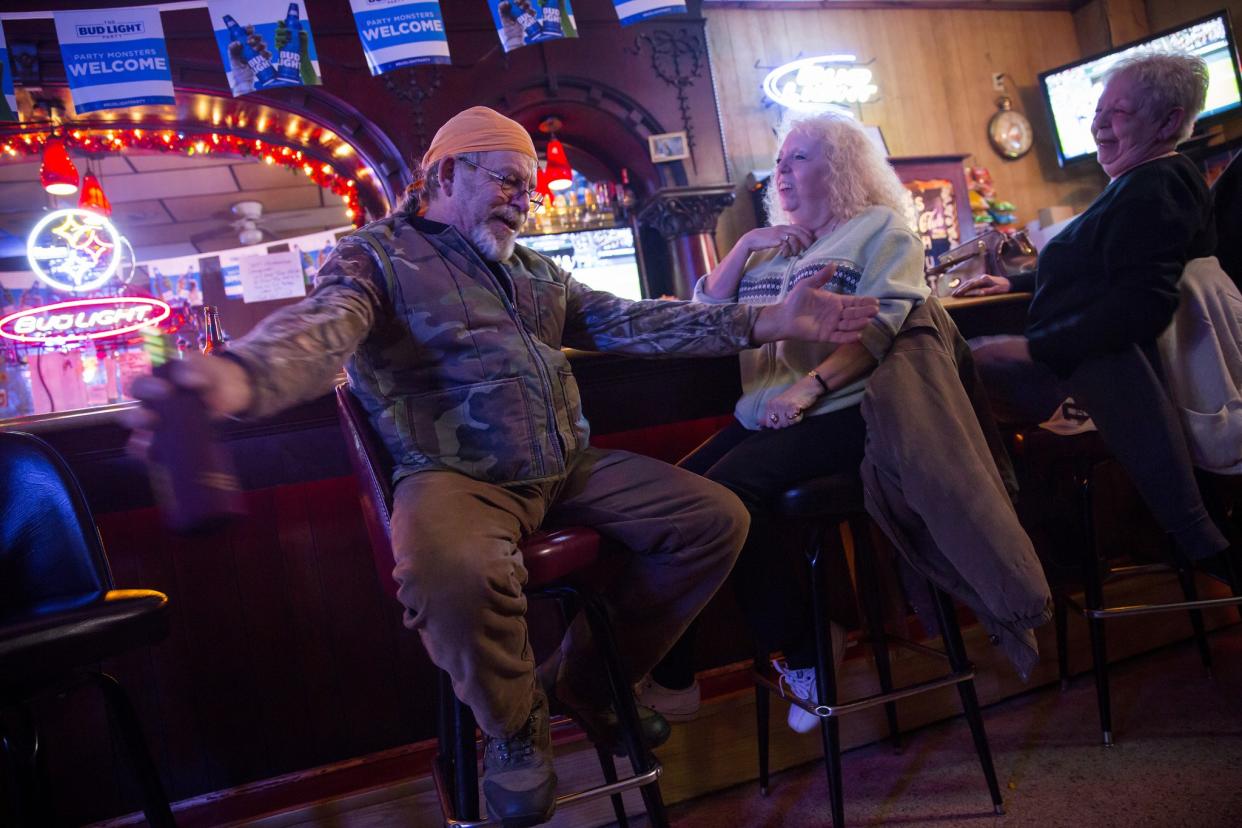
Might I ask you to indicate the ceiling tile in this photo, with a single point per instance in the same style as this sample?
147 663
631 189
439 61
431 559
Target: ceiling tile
175 161
21 196
270 176
130 214
19 171
194 208
169 184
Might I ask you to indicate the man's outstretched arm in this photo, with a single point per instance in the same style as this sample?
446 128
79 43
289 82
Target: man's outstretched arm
815 315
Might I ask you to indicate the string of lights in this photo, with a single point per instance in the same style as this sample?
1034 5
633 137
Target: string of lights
191 144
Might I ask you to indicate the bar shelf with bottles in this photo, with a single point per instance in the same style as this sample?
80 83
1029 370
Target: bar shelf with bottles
584 205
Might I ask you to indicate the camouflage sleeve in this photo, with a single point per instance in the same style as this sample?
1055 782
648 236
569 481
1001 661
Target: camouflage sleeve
599 321
294 354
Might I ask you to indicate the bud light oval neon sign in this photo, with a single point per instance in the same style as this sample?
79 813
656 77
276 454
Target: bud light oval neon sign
820 83
83 319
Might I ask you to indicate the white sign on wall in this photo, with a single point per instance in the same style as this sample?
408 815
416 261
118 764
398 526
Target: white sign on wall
272 276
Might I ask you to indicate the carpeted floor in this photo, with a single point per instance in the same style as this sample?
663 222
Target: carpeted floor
1177 762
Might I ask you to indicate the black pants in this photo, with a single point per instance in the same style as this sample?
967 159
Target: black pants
1125 396
770 576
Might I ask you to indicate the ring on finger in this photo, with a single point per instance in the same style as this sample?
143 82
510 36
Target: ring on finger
774 418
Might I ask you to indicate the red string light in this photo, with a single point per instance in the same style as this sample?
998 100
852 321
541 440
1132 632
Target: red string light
203 143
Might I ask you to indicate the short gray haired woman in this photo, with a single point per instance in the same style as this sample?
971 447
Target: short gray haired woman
839 216
1107 286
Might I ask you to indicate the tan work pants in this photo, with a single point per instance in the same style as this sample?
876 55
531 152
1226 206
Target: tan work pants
461 576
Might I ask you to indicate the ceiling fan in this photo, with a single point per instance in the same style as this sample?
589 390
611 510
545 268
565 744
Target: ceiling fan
247 225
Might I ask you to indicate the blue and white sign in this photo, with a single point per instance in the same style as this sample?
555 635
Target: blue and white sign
396 33
8 98
636 11
264 44
114 58
523 22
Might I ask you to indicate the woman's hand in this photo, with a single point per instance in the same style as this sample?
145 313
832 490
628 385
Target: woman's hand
984 285
790 238
785 409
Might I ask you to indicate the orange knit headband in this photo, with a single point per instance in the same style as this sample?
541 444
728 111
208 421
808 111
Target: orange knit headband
479 129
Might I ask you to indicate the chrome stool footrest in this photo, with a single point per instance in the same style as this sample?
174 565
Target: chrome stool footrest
609 789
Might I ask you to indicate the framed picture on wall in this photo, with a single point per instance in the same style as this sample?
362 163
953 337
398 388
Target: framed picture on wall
938 195
668 146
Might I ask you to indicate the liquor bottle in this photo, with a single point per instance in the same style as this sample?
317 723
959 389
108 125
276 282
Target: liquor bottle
213 334
191 477
264 74
289 62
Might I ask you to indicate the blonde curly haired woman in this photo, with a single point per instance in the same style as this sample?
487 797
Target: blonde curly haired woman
836 204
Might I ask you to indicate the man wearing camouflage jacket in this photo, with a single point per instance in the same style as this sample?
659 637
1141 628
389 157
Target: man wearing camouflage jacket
452 336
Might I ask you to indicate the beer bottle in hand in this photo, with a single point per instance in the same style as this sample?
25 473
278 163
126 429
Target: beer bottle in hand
193 481
213 334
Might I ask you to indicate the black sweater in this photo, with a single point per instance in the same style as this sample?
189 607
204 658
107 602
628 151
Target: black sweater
1109 279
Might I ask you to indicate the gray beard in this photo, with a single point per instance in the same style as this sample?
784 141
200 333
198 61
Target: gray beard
492 248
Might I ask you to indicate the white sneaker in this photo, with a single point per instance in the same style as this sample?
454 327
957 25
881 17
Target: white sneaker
674 705
801 683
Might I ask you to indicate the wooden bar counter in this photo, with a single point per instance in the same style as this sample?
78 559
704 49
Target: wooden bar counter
285 653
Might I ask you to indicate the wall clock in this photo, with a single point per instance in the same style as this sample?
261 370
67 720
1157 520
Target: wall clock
1010 131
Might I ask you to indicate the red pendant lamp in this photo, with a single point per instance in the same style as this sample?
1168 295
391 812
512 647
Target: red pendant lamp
541 184
559 174
92 197
57 174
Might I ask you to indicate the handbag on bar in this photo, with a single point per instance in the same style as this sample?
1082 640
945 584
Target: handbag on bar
1001 254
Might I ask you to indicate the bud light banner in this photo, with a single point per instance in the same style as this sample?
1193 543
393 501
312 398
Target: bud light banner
396 33
8 98
114 58
265 44
635 11
523 22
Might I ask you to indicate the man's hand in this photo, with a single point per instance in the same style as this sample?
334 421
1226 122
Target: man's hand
222 383
815 315
983 285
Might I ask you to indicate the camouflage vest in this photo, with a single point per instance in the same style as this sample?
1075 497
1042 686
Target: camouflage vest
461 376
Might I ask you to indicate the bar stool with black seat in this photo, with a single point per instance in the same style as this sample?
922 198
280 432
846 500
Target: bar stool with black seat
60 615
1041 453
554 561
819 507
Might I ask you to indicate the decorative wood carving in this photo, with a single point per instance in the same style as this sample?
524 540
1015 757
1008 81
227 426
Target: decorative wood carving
684 211
416 85
677 58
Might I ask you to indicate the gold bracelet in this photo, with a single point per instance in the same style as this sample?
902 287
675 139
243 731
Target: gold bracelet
819 379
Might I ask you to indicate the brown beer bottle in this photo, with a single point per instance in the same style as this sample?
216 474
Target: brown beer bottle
213 334
191 476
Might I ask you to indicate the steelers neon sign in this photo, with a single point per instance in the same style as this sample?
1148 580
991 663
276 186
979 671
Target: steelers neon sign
74 250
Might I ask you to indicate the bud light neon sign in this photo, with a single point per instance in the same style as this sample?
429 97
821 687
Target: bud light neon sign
83 319
820 83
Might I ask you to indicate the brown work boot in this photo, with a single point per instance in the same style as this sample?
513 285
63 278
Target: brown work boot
592 711
519 781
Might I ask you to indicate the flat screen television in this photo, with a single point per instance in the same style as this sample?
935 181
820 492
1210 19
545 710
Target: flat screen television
603 259
1071 91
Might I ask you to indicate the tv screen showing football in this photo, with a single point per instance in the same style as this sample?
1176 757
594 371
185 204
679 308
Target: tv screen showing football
1071 91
